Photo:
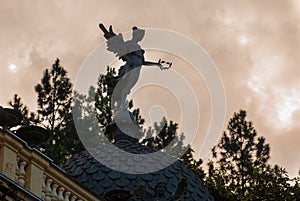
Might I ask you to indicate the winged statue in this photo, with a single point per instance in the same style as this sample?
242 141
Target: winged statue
133 55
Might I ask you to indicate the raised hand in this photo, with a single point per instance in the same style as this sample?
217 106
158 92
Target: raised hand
161 64
107 34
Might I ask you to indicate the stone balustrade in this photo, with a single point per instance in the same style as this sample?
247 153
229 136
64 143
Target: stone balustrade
34 171
20 172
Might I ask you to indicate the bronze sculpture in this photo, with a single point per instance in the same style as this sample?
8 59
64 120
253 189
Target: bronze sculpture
133 55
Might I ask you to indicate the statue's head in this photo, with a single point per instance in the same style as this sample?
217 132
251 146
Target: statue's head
137 34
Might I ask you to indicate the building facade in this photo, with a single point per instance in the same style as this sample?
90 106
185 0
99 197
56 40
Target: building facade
26 174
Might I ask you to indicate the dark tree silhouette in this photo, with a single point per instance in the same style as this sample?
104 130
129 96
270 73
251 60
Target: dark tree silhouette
17 104
54 111
239 169
271 184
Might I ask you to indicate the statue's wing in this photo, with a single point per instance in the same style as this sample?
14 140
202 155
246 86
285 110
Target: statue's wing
107 34
116 45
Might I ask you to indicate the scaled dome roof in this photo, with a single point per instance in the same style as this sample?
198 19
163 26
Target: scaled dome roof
102 180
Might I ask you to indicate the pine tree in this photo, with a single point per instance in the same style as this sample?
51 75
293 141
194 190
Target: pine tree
54 111
193 164
85 117
240 152
240 170
17 104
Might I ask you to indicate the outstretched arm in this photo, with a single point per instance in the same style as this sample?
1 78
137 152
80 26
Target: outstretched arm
159 64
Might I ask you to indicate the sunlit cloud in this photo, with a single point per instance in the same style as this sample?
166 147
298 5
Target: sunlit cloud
224 18
277 102
287 105
12 68
255 84
243 40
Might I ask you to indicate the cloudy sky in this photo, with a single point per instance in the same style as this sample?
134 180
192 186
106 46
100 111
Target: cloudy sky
254 44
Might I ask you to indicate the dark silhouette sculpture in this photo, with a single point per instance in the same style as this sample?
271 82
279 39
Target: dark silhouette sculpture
172 183
9 118
33 135
133 55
